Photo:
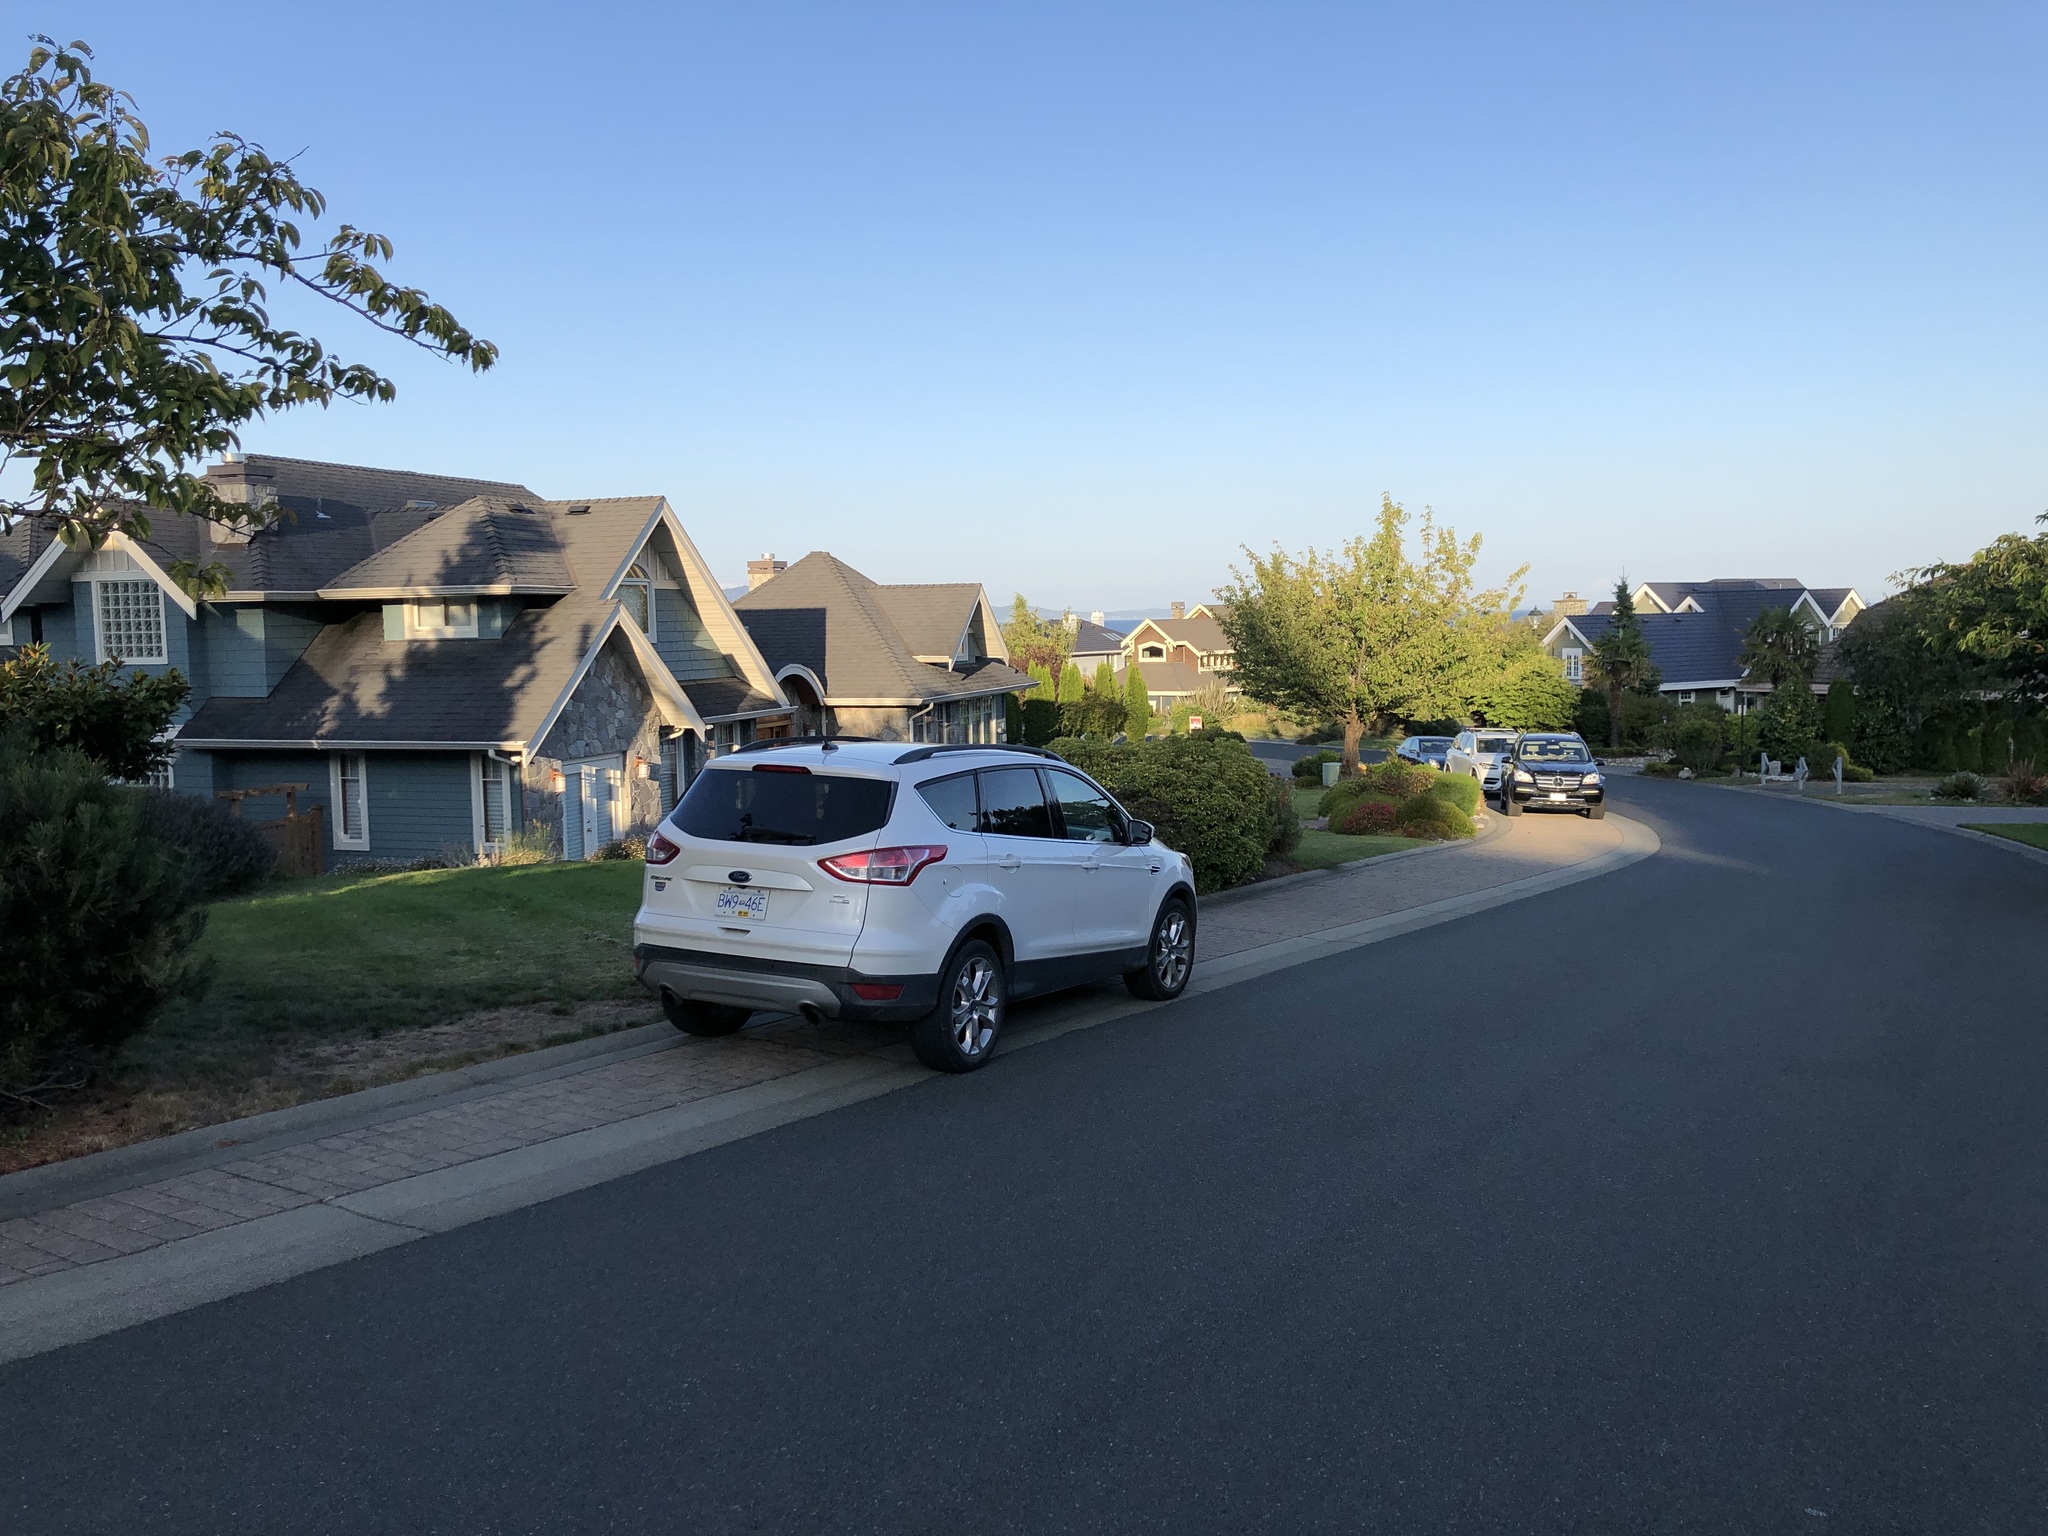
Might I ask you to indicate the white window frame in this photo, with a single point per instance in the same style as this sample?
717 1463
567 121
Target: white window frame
6 631
641 580
453 626
1575 666
482 766
337 805
99 625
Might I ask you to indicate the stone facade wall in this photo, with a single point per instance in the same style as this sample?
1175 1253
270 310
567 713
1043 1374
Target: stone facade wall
611 713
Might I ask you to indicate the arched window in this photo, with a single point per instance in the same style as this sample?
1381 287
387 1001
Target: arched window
637 593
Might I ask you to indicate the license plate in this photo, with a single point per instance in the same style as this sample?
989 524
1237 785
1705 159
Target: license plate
1557 794
750 905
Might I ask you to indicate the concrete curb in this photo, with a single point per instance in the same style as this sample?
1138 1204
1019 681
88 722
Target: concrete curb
70 1307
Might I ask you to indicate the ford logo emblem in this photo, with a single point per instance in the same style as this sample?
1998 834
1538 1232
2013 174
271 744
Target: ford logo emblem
738 876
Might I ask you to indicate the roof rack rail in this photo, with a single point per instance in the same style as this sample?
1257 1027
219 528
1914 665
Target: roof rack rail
920 754
773 743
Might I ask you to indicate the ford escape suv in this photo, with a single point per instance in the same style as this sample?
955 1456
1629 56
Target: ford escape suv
929 885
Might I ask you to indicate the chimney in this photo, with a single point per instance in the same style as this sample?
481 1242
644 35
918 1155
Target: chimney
1095 617
1180 610
767 568
236 480
1570 606
1071 621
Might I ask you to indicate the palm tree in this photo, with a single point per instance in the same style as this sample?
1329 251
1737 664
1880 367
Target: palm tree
1621 659
1779 648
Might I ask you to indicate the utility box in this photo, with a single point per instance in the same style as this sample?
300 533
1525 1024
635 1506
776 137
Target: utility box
1330 772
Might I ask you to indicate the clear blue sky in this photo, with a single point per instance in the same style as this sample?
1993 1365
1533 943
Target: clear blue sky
1077 299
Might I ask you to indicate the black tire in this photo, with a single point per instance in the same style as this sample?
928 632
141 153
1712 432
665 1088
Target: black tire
1596 812
704 1019
1169 955
960 1034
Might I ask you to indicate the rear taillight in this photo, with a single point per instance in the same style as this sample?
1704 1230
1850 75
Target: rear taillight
884 866
877 991
660 850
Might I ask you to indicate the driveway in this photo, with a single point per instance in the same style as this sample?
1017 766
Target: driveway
1706 1195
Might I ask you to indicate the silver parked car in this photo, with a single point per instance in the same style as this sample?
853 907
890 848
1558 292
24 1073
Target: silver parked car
1478 752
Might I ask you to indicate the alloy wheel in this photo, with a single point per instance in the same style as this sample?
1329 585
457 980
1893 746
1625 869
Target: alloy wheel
976 998
1172 950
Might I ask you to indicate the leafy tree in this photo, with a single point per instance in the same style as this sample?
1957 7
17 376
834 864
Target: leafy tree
1137 704
1621 659
116 721
135 333
1036 643
1780 648
1528 691
1890 654
1365 634
1789 722
1841 710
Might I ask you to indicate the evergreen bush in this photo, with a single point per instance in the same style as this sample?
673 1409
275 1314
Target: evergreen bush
1959 786
1040 722
1459 789
1205 793
97 917
1286 820
1840 710
1431 816
223 854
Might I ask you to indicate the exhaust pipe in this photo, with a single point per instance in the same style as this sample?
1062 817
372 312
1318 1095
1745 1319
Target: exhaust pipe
812 1013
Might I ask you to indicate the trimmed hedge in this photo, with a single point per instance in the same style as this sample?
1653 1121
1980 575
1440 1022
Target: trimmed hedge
1458 789
1204 792
1427 815
223 855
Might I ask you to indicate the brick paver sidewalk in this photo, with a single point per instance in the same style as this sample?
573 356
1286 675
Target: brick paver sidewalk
424 1140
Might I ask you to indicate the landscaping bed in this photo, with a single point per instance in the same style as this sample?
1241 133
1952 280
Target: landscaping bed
325 986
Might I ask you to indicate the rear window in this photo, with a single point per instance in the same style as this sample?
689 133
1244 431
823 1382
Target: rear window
1495 743
755 805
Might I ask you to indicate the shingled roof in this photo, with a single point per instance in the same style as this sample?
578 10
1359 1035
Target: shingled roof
823 615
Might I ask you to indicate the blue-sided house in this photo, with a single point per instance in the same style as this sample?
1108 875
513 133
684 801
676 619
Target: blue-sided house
439 660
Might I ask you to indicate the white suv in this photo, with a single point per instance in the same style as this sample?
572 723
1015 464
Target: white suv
874 880
1478 753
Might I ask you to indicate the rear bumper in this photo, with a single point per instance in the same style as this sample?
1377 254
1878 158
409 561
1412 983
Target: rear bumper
782 986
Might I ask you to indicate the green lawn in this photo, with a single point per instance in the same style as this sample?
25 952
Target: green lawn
2033 833
1322 850
378 952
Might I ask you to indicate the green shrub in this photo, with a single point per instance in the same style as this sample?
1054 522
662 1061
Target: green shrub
97 917
1840 710
1399 780
1284 819
1205 793
1589 716
1428 815
1856 773
1696 734
1367 817
1310 769
1041 721
2024 783
223 855
1459 789
1665 768
118 722
1959 786
1881 740
1820 758
624 848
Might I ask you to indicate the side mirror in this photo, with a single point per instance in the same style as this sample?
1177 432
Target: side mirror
1141 832
1599 762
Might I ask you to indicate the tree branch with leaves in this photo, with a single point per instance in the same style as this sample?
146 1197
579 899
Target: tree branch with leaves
136 337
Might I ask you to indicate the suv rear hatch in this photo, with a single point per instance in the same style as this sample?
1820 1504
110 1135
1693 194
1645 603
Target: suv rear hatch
744 879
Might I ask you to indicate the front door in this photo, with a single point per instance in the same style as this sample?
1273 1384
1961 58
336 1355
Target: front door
592 796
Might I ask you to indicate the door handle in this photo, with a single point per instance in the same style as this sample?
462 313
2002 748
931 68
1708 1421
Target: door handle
1091 865
1009 861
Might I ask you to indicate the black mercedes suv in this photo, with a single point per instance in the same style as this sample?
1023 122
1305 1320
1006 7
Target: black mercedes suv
1551 771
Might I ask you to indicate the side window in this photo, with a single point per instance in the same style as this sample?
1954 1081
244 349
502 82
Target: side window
1086 814
952 800
1012 804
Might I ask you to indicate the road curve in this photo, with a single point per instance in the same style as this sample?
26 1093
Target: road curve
1706 1195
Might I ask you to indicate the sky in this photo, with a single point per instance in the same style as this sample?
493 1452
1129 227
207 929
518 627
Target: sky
1079 300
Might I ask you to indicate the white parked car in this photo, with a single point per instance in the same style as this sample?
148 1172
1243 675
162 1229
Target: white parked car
929 885
1479 753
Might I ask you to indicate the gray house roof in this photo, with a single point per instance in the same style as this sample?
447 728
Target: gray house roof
931 617
485 544
1695 648
823 615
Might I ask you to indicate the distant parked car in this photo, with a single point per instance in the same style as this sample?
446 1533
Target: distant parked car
1424 751
1551 771
1478 753
927 885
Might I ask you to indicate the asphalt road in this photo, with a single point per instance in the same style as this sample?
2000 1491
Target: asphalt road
1708 1196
